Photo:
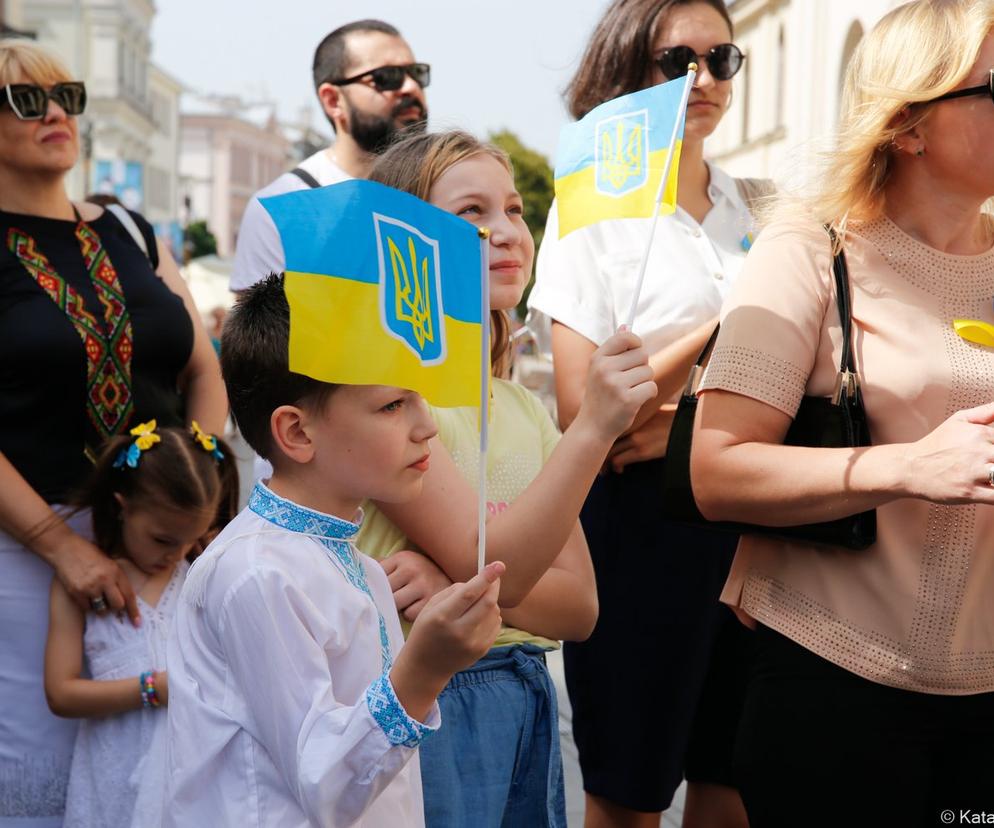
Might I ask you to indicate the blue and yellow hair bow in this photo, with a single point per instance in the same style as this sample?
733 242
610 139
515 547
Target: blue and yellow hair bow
208 442
145 438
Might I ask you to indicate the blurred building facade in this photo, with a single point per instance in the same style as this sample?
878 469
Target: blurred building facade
787 94
129 133
174 155
12 19
228 150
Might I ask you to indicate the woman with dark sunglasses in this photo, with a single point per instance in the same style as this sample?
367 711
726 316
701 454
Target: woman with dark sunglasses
872 697
95 336
656 689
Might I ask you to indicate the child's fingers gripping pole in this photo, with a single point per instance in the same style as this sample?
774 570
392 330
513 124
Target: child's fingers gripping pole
464 597
691 77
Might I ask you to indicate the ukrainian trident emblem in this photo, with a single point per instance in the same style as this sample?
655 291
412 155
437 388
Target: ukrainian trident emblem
410 288
622 153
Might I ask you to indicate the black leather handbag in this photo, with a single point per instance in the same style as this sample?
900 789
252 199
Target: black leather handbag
823 422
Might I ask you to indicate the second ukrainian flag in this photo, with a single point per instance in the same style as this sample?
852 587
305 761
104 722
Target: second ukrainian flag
610 162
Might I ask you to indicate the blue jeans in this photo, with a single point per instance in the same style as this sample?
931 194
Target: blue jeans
495 761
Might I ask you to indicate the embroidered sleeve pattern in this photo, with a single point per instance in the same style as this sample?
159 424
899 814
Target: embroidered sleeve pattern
389 714
758 375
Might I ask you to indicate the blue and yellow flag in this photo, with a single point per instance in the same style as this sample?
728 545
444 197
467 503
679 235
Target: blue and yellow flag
610 162
384 289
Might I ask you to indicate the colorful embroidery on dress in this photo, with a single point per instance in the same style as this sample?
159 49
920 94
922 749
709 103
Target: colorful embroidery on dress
109 343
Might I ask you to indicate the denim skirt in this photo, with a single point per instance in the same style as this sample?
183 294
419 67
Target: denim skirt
495 761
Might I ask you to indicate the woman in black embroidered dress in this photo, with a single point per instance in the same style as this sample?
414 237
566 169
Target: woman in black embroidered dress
95 336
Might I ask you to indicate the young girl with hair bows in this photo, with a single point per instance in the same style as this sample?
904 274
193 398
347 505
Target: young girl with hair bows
155 498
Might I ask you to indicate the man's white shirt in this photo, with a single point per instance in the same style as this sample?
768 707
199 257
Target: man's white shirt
258 250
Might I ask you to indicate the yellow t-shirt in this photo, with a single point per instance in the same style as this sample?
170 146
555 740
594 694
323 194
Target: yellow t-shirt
522 436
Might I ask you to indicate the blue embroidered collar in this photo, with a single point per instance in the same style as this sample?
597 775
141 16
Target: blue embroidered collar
296 518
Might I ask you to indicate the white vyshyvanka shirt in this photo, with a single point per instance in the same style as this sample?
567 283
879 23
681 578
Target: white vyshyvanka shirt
281 712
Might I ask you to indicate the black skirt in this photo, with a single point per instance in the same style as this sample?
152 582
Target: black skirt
636 683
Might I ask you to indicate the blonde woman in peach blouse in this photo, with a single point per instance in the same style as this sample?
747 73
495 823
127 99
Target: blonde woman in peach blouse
872 702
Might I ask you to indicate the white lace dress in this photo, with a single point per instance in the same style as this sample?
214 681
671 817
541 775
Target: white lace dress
118 765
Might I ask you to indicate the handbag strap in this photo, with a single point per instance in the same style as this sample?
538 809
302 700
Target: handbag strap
848 379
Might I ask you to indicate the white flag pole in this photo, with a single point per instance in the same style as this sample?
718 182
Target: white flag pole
691 77
481 549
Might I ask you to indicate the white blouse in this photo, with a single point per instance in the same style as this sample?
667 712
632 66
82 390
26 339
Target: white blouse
586 279
281 711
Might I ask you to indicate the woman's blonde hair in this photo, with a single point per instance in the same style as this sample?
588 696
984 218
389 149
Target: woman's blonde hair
24 61
413 164
915 53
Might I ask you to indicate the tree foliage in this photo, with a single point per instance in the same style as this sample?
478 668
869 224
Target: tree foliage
533 177
199 240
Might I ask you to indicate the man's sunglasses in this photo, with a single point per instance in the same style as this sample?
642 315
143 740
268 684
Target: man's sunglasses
391 78
984 89
29 102
723 61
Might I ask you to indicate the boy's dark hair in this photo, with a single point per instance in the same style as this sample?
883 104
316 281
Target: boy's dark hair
255 344
176 472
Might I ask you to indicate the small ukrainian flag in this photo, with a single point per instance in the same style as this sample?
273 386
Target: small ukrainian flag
383 288
610 162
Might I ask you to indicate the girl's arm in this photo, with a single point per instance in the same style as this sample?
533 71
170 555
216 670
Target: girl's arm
571 353
67 693
534 529
649 433
82 568
200 381
561 606
740 472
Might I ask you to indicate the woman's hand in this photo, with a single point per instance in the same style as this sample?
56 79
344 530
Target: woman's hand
952 463
414 579
646 442
619 383
162 687
88 574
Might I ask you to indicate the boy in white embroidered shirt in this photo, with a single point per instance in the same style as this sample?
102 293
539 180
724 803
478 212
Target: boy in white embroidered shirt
290 700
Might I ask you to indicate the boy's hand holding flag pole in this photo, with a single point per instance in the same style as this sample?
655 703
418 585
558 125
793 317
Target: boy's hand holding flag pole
383 290
608 160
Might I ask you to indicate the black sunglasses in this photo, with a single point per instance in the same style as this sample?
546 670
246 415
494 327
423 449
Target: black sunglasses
723 61
985 89
29 102
391 78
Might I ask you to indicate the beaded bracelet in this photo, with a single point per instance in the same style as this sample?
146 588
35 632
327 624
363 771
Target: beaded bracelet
146 681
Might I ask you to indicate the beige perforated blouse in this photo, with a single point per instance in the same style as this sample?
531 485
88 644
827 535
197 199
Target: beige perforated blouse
916 610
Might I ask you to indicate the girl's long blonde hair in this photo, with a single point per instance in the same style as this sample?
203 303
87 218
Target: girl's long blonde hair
916 52
413 164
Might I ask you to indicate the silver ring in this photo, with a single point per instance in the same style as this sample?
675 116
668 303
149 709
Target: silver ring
990 476
99 603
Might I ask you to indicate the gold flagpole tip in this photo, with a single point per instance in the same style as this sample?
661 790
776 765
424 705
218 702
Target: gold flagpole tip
483 232
693 67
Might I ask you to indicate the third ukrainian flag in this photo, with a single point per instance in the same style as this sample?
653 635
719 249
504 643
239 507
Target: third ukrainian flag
384 289
610 162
